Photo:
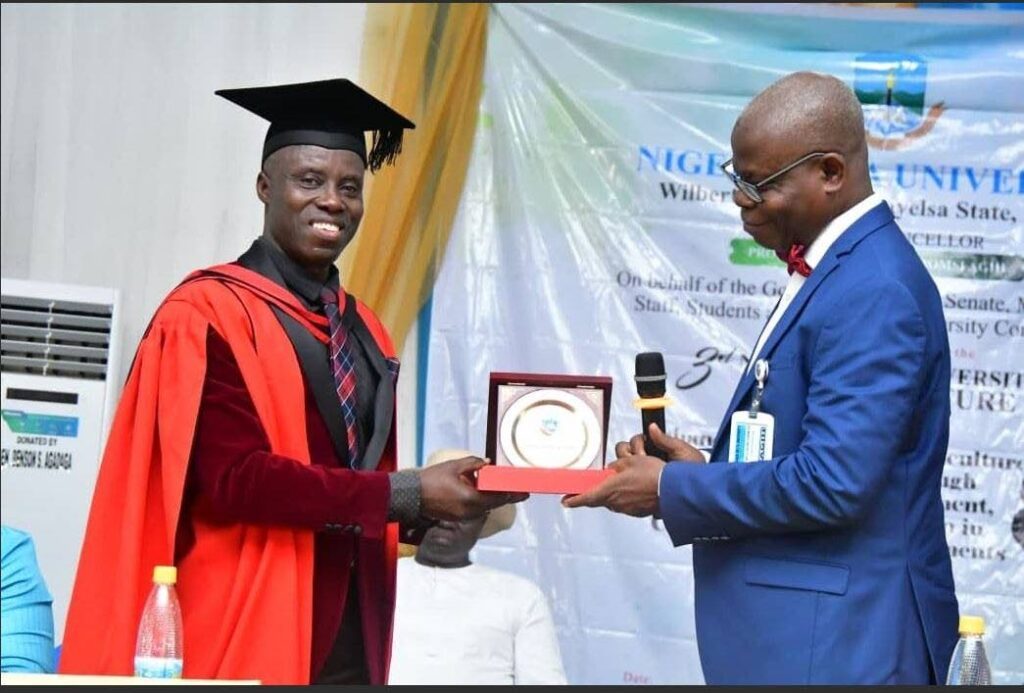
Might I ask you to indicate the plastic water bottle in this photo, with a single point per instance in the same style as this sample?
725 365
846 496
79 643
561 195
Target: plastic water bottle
969 666
158 649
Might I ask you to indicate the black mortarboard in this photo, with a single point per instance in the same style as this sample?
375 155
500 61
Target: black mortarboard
333 113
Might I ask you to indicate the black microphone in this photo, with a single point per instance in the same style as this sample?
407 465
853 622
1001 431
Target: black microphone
650 385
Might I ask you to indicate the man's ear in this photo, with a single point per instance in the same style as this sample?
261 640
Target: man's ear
833 169
263 187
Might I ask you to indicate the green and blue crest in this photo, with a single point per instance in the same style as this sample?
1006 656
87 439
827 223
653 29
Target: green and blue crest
891 87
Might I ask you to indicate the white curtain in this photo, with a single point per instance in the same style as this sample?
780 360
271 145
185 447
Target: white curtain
120 166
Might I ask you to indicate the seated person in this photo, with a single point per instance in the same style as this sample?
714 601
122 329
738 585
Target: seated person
460 623
26 612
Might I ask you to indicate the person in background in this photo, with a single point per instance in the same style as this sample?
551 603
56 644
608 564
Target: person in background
26 607
460 623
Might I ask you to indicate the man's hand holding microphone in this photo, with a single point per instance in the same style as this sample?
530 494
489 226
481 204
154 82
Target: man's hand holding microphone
633 490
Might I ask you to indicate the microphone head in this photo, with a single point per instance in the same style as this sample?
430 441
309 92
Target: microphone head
650 374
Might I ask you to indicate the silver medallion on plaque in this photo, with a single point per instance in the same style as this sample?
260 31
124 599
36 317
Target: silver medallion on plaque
550 428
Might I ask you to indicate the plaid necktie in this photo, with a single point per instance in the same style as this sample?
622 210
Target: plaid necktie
343 368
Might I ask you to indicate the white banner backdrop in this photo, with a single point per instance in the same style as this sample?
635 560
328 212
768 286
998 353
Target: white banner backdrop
596 224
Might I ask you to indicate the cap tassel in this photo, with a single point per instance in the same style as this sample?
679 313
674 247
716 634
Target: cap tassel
387 145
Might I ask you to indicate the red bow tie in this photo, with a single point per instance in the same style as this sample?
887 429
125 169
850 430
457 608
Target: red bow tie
794 260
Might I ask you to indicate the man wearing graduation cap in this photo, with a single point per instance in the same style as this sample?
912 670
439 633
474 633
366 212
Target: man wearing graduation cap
254 444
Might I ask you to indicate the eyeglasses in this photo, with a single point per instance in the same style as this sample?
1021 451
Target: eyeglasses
752 190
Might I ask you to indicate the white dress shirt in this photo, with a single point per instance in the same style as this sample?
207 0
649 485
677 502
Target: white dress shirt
813 255
471 625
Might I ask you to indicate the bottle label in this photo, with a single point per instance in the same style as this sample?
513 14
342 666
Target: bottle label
158 667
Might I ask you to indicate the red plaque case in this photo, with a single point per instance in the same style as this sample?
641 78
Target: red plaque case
546 433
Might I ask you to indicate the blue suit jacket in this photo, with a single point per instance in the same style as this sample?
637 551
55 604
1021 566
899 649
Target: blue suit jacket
829 563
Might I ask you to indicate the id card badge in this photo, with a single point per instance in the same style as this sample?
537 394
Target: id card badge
751 437
752 433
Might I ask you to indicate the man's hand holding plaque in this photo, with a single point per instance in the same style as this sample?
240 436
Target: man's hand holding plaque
448 491
633 490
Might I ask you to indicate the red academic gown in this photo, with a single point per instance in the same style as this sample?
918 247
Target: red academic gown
245 556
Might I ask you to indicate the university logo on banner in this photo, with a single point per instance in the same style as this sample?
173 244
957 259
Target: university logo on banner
891 87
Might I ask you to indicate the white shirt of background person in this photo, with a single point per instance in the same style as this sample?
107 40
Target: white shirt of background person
460 623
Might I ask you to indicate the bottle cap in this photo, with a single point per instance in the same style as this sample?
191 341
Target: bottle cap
972 625
165 575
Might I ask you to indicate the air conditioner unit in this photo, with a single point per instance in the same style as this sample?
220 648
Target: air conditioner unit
60 373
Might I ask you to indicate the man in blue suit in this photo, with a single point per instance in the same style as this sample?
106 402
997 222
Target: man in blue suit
825 561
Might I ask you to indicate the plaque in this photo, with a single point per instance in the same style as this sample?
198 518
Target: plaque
546 433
